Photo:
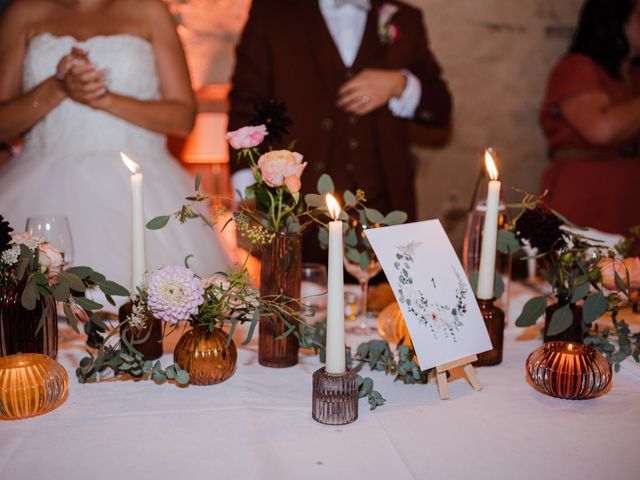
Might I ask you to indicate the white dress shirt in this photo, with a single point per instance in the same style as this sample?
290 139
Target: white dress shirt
346 24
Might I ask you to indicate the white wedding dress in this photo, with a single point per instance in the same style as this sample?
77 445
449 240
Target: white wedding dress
70 165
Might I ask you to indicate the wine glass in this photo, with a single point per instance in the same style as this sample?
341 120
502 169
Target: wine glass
313 289
361 262
56 230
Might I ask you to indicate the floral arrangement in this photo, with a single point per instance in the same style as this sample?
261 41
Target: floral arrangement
176 295
273 203
580 271
388 32
35 266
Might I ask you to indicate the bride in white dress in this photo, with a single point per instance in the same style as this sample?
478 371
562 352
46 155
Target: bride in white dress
133 89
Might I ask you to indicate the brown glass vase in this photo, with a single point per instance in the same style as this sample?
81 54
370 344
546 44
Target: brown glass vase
18 325
279 276
150 336
494 320
205 355
572 334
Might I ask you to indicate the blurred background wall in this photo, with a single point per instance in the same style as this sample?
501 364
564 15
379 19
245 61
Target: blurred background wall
496 55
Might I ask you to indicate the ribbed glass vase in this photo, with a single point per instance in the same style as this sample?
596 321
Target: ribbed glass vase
18 325
568 370
280 274
30 384
205 355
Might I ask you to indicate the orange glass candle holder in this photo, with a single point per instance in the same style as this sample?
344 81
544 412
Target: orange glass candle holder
568 370
30 384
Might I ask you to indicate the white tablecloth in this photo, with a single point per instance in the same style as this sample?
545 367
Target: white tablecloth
258 425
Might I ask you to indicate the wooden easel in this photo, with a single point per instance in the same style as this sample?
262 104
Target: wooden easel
465 363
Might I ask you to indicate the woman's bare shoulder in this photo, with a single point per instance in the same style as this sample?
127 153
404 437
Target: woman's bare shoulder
24 14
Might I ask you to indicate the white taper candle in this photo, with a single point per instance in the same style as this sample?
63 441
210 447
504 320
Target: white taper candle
486 273
138 251
335 346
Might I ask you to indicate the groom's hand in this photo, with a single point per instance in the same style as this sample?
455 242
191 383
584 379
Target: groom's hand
370 89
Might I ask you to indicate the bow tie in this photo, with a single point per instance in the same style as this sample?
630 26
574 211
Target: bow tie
363 4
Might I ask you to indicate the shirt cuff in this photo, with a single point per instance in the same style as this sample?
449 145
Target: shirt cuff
240 180
405 106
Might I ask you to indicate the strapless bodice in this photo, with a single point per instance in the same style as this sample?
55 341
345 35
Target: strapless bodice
73 127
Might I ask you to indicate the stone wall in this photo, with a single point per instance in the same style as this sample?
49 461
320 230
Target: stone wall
496 55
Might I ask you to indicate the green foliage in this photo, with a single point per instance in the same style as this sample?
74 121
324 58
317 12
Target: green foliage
594 307
68 288
620 336
158 222
532 311
561 320
325 184
508 242
570 264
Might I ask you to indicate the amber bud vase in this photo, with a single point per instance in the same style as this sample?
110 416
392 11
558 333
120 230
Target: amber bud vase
30 384
568 370
280 274
18 326
151 334
205 355
494 320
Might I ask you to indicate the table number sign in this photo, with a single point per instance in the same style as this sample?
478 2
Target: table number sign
435 297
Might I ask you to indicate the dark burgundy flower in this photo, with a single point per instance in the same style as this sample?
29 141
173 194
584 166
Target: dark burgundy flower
541 227
273 114
5 234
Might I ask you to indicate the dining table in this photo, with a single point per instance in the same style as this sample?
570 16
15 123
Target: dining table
258 425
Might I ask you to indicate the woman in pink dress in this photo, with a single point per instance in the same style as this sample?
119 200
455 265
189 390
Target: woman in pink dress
591 119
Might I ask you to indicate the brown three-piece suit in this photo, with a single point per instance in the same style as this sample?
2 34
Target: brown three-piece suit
287 53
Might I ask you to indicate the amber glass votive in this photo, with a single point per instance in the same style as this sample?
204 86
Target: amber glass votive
494 320
30 384
335 397
568 370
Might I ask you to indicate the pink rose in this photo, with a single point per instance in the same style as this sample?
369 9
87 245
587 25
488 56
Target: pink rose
247 137
50 257
282 167
386 12
628 265
18 238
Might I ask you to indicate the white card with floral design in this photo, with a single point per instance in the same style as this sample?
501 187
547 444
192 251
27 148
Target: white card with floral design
433 292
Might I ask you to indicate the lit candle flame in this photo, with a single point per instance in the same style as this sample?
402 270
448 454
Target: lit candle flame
490 164
333 206
131 165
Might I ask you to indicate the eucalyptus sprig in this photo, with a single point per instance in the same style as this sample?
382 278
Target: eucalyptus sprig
122 358
627 343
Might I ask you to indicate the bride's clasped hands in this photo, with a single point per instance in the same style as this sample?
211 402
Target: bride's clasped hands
81 81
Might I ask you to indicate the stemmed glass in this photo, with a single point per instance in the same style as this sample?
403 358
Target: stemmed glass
314 289
361 262
56 230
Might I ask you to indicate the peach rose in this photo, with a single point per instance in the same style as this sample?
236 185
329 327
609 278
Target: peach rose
247 137
50 257
282 167
628 265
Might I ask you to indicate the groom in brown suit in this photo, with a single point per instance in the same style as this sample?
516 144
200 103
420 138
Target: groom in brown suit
352 73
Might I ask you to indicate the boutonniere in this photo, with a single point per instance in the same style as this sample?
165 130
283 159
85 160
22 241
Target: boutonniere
387 31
